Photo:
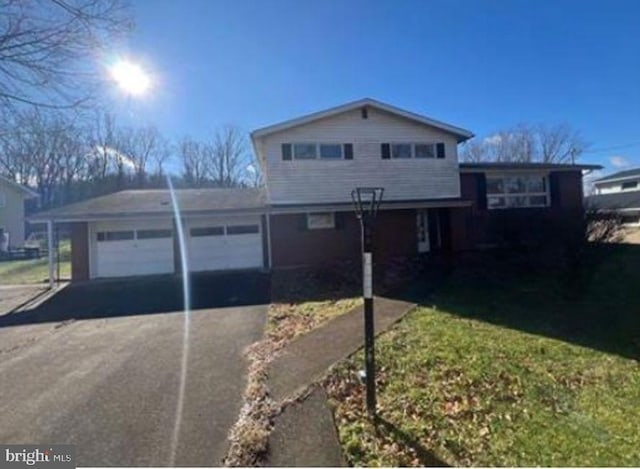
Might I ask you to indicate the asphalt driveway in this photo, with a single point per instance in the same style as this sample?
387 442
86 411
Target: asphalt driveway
110 385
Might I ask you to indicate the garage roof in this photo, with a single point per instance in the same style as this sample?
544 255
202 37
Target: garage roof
157 202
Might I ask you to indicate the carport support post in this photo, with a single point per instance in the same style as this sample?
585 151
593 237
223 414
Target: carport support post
50 251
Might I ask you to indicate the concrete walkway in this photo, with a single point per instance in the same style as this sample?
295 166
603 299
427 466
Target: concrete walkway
305 433
308 358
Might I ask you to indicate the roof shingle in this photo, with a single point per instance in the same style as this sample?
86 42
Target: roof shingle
158 202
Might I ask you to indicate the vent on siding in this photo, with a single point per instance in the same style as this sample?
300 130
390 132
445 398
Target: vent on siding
364 112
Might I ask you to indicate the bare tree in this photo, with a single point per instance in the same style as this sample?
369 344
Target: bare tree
48 49
548 143
229 156
45 151
195 157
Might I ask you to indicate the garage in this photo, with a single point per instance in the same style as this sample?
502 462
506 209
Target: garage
123 249
225 244
131 232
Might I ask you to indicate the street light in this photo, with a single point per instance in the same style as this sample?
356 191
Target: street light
366 201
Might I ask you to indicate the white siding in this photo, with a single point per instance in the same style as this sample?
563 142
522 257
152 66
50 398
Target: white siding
12 214
613 187
323 181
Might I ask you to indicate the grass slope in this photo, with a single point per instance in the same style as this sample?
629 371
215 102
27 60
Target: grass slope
505 372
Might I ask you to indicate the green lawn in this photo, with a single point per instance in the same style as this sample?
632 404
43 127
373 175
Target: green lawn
35 270
502 370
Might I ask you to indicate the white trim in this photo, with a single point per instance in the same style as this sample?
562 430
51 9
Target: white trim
50 253
461 133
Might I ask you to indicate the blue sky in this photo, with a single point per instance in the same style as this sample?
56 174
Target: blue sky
482 65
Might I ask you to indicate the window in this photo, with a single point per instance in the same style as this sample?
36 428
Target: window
153 234
115 235
304 151
401 150
312 151
207 231
514 191
625 185
331 151
321 221
425 150
3 199
413 150
242 229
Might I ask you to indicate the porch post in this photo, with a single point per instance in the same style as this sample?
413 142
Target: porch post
50 252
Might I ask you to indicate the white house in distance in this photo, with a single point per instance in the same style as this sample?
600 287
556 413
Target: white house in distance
12 222
619 192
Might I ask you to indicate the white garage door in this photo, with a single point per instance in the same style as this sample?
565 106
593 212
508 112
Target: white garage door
124 249
225 244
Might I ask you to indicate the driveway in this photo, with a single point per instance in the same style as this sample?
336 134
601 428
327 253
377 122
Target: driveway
110 385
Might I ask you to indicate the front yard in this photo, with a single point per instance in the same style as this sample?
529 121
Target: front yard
505 371
30 271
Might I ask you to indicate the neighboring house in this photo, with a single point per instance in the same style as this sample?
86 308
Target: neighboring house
12 221
618 192
304 216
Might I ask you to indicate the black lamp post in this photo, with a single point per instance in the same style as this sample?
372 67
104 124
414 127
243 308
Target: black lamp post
366 201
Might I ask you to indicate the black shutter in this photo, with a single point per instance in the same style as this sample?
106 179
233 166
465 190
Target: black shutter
286 151
385 150
482 191
302 222
339 220
440 150
348 151
554 190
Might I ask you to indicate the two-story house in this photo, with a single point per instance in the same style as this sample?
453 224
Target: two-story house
619 192
304 215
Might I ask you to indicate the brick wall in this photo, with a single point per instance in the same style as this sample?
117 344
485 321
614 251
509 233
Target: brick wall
79 251
489 227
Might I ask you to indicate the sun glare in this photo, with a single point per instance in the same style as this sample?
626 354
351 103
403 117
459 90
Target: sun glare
130 77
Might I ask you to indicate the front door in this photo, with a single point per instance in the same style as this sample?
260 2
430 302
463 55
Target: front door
423 230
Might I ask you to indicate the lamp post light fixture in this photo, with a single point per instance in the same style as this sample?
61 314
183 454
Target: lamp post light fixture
366 201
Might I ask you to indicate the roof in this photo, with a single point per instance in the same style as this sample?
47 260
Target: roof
626 174
508 166
157 202
28 193
461 133
628 200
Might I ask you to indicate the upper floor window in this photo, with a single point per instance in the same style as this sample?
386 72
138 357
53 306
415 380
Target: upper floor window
412 150
313 150
517 190
629 185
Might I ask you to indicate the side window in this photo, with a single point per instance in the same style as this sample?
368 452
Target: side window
321 221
